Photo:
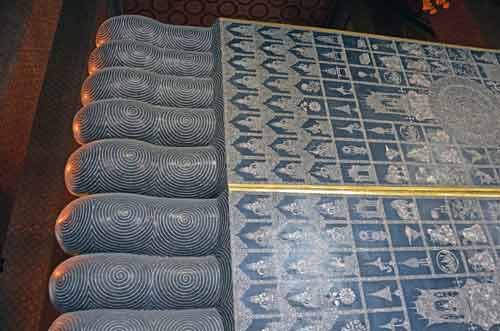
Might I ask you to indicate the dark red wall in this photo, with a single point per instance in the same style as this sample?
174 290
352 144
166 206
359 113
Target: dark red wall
467 22
204 12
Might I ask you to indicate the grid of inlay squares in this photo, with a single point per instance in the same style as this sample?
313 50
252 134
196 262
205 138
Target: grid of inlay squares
314 262
320 108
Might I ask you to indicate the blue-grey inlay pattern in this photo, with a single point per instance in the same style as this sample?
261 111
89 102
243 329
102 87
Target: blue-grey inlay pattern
121 118
359 263
316 107
131 223
131 166
126 281
133 54
137 320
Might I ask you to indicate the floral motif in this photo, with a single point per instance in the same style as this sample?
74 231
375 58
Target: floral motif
341 296
355 325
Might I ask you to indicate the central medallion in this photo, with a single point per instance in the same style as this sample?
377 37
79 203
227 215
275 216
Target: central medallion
467 110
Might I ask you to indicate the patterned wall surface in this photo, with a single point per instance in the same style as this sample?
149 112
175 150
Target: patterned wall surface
204 12
458 25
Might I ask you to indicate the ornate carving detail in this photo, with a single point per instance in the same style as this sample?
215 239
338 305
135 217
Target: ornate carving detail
405 209
355 325
443 234
447 261
474 303
453 99
411 104
482 261
341 296
265 300
474 234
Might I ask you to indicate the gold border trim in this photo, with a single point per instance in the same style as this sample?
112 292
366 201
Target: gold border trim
357 34
423 191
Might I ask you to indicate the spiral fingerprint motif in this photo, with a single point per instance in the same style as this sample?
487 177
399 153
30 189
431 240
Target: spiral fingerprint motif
141 85
140 28
119 118
130 223
131 320
131 166
136 320
133 54
146 254
126 281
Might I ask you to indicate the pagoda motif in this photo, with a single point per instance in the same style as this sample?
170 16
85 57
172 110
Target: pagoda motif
264 300
494 210
253 145
346 265
420 153
270 32
405 209
262 267
368 208
487 58
248 101
245 63
306 298
336 208
391 62
361 173
411 104
329 39
326 172
419 79
340 236
396 174
334 55
259 206
263 236
242 45
273 49
300 36
351 128
474 303
253 169
319 149
275 65
295 207
245 30
301 267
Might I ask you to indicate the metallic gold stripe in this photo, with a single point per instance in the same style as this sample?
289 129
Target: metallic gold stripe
422 191
357 34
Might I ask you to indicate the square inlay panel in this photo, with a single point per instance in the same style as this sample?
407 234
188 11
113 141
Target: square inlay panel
317 107
356 263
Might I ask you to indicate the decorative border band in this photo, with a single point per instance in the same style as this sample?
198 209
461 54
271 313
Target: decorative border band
421 191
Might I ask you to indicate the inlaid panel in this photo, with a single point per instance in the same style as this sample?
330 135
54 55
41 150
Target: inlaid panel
362 189
317 107
358 263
